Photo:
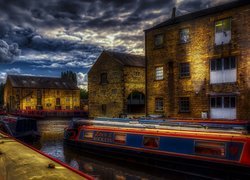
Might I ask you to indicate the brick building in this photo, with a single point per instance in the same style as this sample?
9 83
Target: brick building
116 85
40 93
198 64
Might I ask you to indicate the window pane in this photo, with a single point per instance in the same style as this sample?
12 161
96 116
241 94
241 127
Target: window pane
104 78
218 26
213 102
213 65
88 134
159 40
184 35
151 142
219 64
210 148
226 102
226 63
120 138
58 102
184 69
218 102
226 24
104 108
232 102
184 104
159 73
232 62
159 104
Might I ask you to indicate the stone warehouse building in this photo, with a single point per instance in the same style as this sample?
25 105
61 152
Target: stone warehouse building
198 64
40 93
116 85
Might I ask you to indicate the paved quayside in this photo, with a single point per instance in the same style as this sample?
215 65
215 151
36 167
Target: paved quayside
19 161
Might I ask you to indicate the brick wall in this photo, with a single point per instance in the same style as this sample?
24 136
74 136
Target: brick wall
198 52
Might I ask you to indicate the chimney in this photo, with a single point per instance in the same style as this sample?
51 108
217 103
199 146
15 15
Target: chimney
173 12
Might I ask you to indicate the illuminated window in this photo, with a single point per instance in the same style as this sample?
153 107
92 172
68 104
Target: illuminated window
216 149
104 78
159 73
184 35
158 104
184 104
223 31
151 142
120 138
184 70
159 40
88 134
28 99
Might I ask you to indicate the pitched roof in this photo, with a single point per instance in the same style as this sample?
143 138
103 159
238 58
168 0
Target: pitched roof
127 59
40 82
201 13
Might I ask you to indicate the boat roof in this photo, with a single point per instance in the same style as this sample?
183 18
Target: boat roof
236 127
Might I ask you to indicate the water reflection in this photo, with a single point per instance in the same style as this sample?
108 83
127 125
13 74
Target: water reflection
102 168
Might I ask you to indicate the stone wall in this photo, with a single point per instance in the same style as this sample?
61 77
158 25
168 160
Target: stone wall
198 52
110 99
69 99
107 94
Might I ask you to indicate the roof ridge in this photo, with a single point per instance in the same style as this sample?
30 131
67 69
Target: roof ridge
200 13
129 54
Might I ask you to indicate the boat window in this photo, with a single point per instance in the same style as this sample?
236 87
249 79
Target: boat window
210 148
88 135
120 138
151 142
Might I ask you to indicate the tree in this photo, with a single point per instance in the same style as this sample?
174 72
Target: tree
84 94
69 76
1 94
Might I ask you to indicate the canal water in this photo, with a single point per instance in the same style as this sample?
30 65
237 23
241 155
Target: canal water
51 143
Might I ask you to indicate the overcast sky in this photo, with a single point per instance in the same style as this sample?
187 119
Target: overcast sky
45 37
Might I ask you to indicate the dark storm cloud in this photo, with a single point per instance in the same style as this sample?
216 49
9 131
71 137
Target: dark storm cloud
8 51
28 24
77 13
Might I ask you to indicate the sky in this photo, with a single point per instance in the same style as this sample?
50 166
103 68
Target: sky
46 37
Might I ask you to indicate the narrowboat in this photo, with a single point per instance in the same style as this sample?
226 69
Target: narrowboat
24 129
187 144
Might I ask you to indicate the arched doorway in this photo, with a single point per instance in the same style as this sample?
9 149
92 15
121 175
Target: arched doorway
136 103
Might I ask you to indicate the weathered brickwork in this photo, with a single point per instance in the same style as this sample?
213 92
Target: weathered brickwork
199 52
26 98
110 98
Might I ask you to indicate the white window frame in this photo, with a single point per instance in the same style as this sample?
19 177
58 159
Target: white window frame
223 74
222 35
159 73
222 111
